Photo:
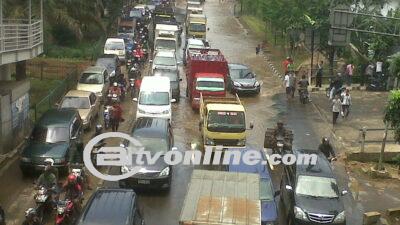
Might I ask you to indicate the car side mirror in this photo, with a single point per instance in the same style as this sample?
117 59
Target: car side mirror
179 62
289 188
344 192
150 61
251 126
208 28
173 100
180 79
135 99
277 193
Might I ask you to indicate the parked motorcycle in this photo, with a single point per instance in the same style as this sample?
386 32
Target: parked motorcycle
65 212
44 202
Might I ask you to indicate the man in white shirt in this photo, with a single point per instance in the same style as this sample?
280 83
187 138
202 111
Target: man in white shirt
346 103
286 83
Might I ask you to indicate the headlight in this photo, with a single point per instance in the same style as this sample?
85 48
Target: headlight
124 169
209 141
242 142
141 111
59 161
236 84
340 218
299 213
165 112
26 159
256 84
164 172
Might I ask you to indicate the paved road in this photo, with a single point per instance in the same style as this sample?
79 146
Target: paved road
265 109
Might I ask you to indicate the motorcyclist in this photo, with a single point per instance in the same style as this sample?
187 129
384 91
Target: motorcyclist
47 179
73 191
50 163
31 217
279 134
336 85
326 148
115 89
303 84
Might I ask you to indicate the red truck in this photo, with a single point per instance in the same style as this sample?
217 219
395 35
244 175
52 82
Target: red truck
206 73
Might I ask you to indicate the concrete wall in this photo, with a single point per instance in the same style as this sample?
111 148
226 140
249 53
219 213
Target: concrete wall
14 113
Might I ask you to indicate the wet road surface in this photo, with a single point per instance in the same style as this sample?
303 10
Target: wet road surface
264 110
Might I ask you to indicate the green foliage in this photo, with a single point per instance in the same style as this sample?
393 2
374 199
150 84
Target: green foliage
394 65
392 113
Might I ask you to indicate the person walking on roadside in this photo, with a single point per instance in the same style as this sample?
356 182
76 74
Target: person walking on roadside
286 84
258 49
116 116
346 103
336 109
319 74
285 64
292 83
349 73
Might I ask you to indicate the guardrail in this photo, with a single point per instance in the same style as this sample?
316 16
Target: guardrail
363 137
17 35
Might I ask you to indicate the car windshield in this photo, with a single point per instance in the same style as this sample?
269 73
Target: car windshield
321 187
114 46
210 85
164 61
108 63
266 191
225 121
75 102
154 98
135 13
153 145
197 27
50 134
241 74
91 78
168 44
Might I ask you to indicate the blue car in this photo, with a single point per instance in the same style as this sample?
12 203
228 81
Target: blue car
269 212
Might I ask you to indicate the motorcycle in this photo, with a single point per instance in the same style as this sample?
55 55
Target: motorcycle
65 212
123 91
111 98
279 146
303 96
134 71
78 172
132 87
43 200
107 116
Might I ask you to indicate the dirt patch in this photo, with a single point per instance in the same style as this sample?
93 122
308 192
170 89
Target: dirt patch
47 68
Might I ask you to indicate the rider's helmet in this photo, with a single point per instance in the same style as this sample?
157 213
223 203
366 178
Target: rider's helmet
98 129
31 212
325 140
115 84
280 124
49 161
47 169
71 179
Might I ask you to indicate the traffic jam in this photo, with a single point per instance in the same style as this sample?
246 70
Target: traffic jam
164 82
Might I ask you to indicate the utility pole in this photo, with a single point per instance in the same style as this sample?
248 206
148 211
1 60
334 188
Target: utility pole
312 53
380 164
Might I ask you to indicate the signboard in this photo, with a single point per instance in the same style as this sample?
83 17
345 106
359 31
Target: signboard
340 17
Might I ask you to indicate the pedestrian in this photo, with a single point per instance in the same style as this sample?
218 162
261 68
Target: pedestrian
319 74
292 82
346 103
349 73
116 116
336 109
286 83
258 48
285 64
369 73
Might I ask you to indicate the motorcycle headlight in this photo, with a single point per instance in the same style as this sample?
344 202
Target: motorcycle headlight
26 159
242 142
236 84
141 111
340 218
256 84
164 172
124 169
60 210
165 112
299 213
209 141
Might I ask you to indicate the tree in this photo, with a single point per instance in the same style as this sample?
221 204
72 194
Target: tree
392 113
394 65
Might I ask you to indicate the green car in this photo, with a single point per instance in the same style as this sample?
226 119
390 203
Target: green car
57 135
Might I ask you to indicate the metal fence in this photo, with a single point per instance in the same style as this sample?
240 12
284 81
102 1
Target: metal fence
16 35
374 136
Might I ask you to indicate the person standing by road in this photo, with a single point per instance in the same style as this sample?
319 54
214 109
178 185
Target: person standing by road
346 103
349 73
286 84
336 109
292 83
319 74
258 49
285 64
116 116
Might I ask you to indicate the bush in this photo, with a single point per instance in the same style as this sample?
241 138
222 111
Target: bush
392 114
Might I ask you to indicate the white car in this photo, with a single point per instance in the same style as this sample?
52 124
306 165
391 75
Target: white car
115 46
94 79
155 98
164 60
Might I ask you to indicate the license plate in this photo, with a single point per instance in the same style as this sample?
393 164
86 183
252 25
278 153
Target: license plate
143 182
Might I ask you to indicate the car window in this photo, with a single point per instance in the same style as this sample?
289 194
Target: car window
92 99
50 134
91 78
75 127
75 102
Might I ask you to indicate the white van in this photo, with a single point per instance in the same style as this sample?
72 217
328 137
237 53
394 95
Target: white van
155 98
115 46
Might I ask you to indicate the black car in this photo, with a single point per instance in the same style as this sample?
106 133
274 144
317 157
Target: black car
111 63
242 79
173 76
112 206
155 135
57 135
310 194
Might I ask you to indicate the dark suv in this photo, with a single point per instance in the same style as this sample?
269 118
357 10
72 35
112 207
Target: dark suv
112 206
155 135
310 194
56 135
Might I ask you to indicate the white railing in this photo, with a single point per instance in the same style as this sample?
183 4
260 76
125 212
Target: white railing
17 35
